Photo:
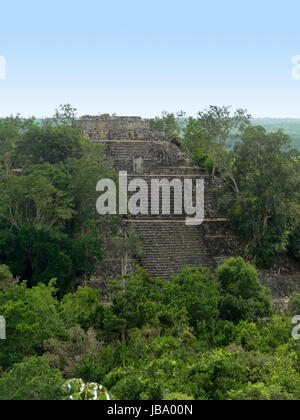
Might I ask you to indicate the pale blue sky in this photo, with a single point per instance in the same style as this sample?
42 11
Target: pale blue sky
141 57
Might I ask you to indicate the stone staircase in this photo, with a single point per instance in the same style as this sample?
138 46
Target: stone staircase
168 244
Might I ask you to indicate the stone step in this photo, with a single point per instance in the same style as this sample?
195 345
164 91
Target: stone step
170 247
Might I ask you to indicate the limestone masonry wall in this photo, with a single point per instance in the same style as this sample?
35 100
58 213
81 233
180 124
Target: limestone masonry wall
105 127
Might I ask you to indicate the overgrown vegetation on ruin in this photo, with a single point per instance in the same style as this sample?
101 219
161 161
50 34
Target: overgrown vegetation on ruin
261 174
200 336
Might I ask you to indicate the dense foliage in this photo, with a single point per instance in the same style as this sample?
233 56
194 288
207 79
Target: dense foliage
260 171
192 338
201 336
48 174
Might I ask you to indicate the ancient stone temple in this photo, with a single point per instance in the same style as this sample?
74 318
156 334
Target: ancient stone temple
168 244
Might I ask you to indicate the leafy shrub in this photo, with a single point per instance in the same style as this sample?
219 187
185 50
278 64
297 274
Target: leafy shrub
32 379
243 296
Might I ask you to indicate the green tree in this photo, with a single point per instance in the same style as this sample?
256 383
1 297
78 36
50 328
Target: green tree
220 126
260 392
68 354
41 256
35 201
32 380
196 144
294 304
264 208
136 302
167 126
47 213
65 115
195 289
294 242
215 373
41 144
243 296
6 278
83 308
31 318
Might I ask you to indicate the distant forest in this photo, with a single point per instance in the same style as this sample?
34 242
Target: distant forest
290 126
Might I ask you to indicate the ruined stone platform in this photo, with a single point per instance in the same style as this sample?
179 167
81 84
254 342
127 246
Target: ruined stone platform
168 243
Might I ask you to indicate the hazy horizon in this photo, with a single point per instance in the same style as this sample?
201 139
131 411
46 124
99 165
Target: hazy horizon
138 115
